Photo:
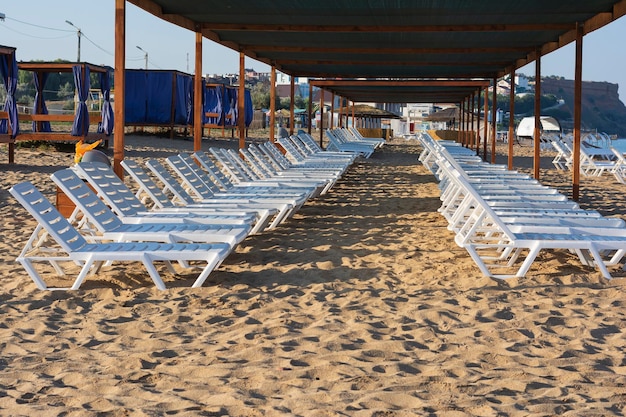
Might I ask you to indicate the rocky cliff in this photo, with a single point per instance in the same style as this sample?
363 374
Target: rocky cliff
601 106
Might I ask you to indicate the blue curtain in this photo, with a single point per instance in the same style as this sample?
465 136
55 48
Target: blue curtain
159 97
81 119
181 104
8 68
40 103
213 104
248 107
135 107
230 107
107 110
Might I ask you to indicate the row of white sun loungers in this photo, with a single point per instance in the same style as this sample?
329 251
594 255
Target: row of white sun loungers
505 218
350 140
187 209
594 160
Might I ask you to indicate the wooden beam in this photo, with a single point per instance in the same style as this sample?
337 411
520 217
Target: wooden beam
402 83
256 27
388 50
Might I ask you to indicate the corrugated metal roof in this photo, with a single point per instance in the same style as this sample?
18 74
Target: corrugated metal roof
391 39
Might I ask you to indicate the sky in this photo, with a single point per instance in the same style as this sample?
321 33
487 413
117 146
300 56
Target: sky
39 31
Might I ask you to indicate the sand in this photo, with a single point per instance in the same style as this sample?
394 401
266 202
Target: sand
361 305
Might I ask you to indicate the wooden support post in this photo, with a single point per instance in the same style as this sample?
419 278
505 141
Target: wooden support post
120 86
537 132
485 123
578 72
292 104
273 104
198 88
353 125
472 121
310 109
322 118
331 118
241 102
511 135
494 125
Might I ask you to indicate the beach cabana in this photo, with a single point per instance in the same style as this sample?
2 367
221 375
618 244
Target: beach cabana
9 125
85 125
158 98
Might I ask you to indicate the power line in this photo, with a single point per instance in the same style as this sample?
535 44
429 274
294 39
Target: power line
29 35
39 26
68 34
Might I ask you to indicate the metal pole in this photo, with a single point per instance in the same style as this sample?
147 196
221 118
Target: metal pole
78 33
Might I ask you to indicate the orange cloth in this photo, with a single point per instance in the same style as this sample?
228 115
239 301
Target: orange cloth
81 148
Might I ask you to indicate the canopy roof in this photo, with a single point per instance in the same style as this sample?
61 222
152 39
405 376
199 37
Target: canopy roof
391 39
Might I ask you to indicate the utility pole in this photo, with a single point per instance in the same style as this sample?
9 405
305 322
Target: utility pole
146 56
78 33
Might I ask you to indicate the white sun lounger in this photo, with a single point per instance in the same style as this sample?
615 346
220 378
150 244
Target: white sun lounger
75 249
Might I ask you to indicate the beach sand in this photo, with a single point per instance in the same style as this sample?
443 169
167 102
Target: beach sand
361 305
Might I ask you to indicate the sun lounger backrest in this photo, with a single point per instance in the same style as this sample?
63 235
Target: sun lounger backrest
192 182
207 163
48 216
86 200
146 184
169 182
110 188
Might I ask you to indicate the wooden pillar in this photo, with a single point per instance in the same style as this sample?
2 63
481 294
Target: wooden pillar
494 126
198 89
241 102
537 132
353 104
461 119
322 118
485 123
578 72
292 104
340 113
511 135
273 104
331 118
310 109
120 86
472 121
467 122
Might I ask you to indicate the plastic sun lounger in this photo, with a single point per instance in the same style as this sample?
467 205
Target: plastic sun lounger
110 227
298 188
202 186
149 190
92 256
225 184
275 213
483 230
130 209
335 143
